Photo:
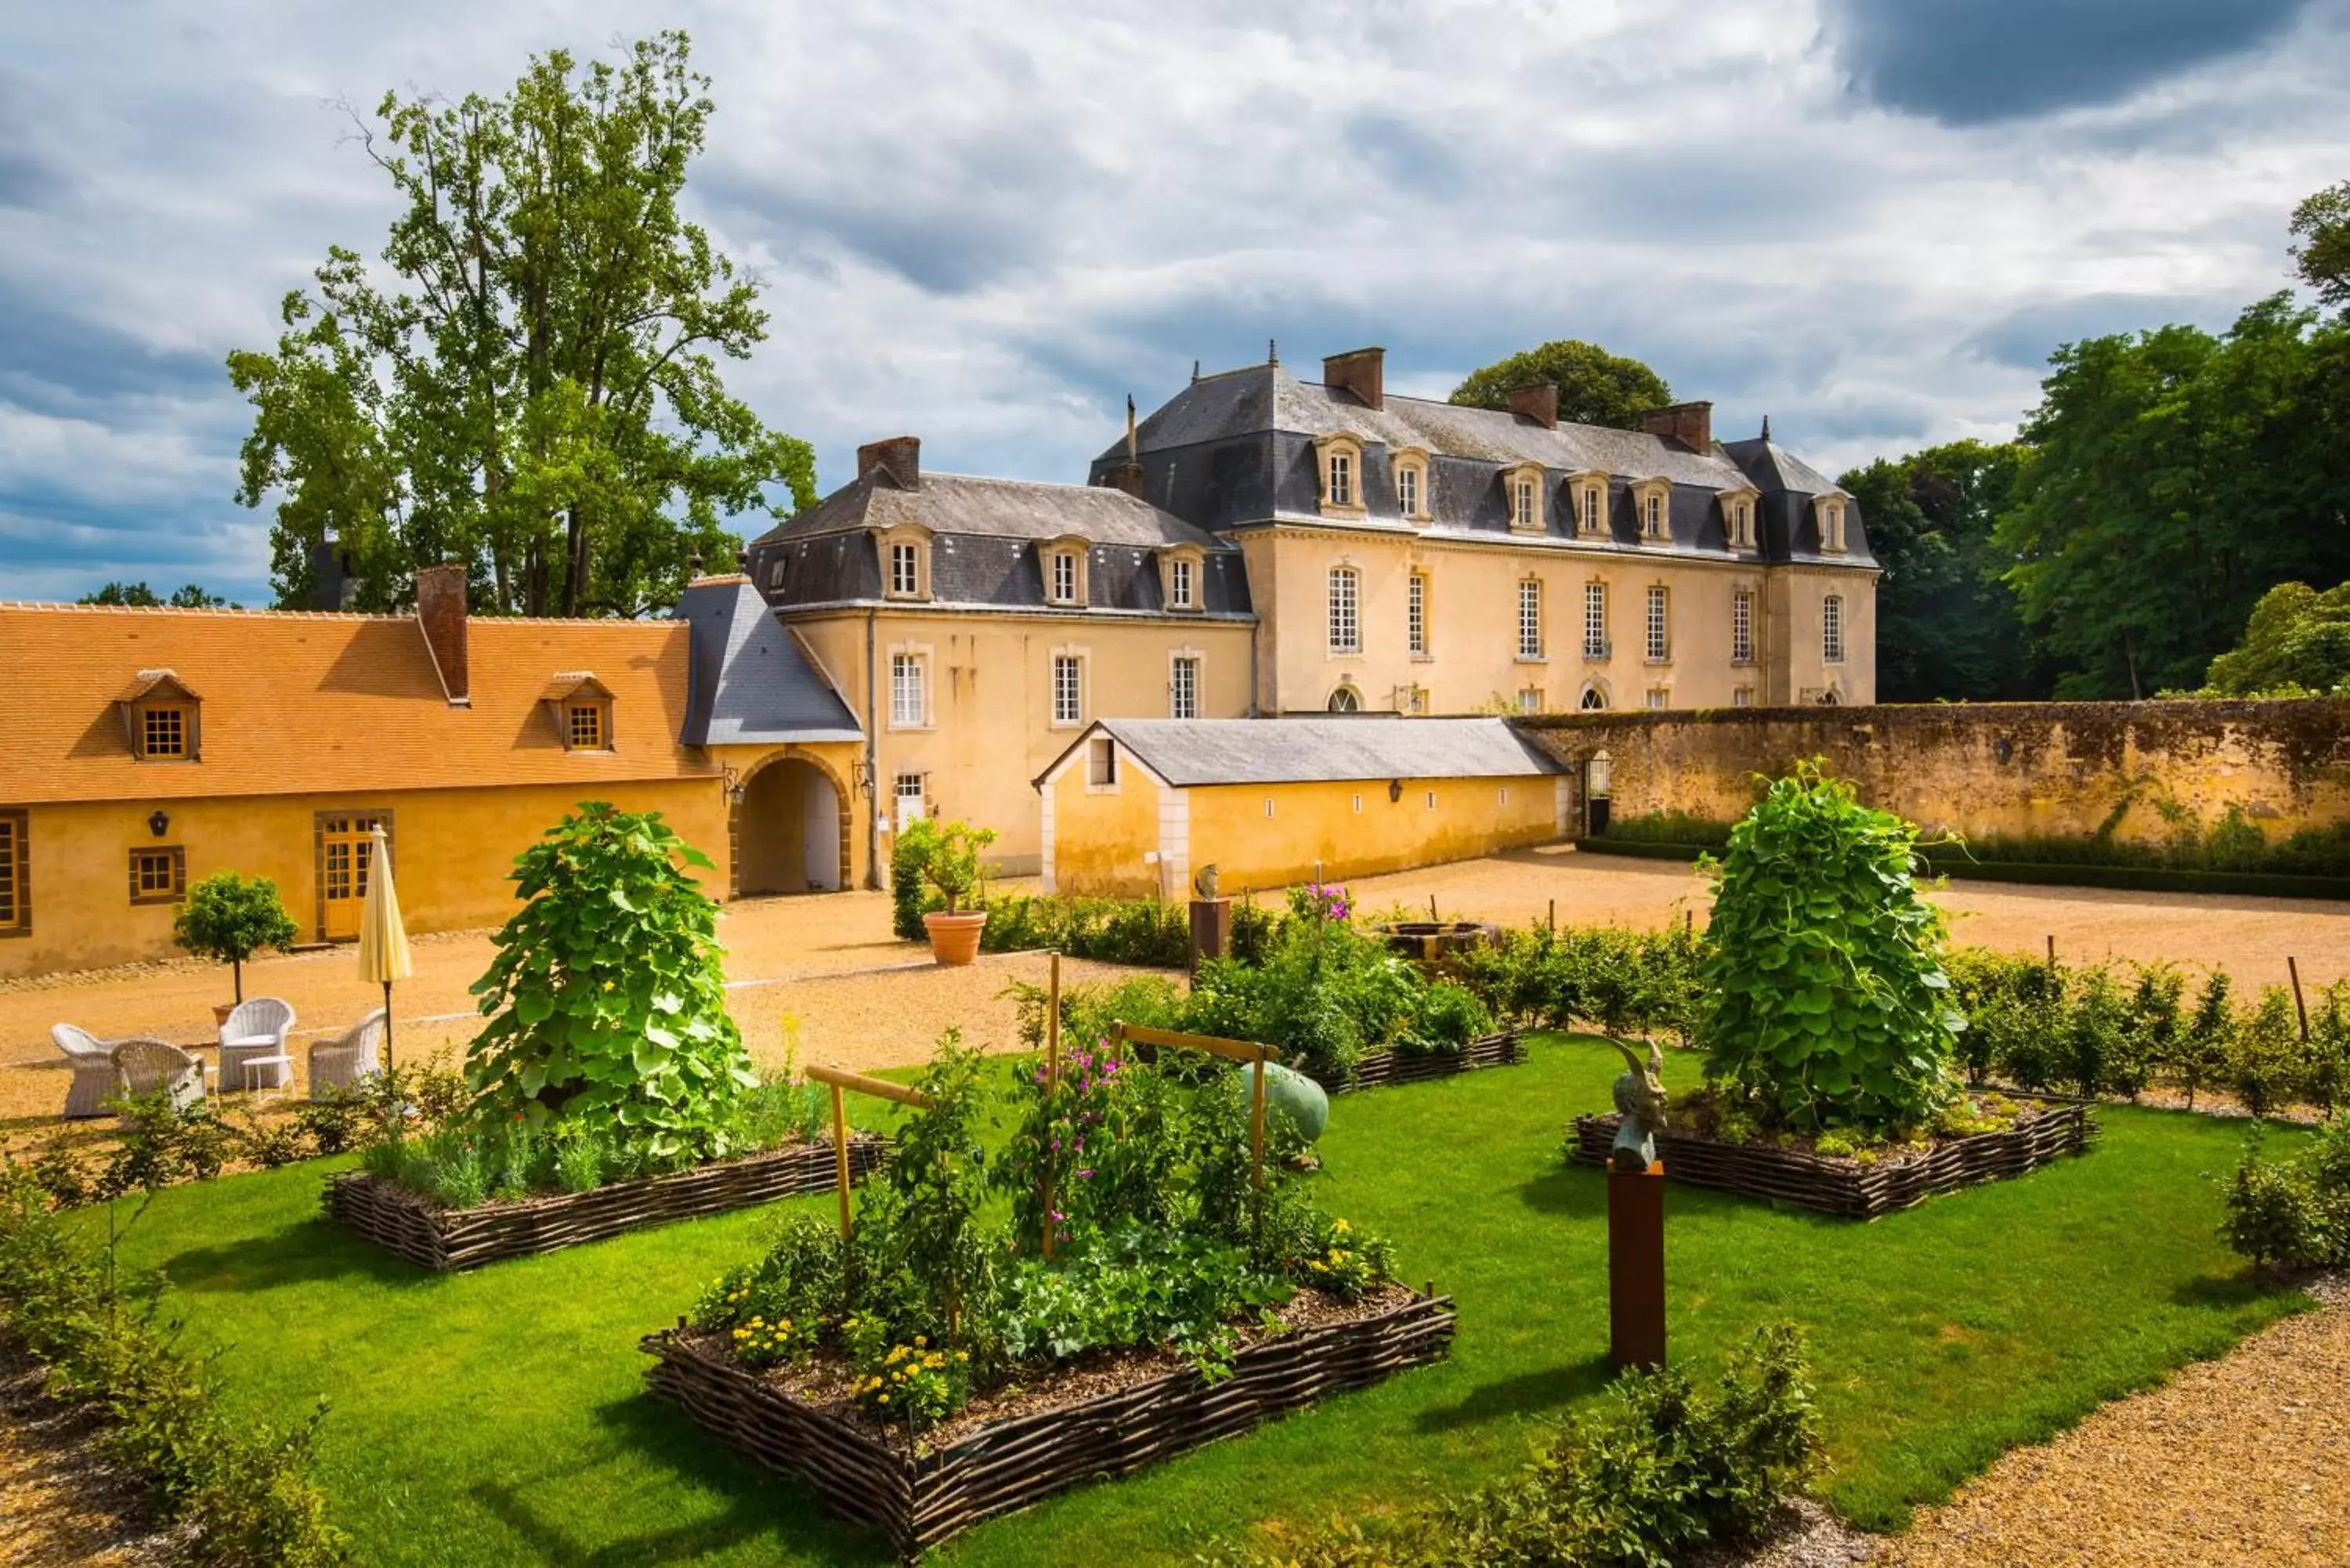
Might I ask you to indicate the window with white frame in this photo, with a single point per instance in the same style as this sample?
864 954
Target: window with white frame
1742 525
1408 489
1595 621
1594 700
776 575
1065 576
1595 496
1416 614
1101 763
1068 689
1343 699
1742 627
908 699
1530 699
1340 468
1346 605
1832 526
905 570
1522 494
1660 645
910 791
1652 515
1742 696
1832 628
1179 580
1658 697
1183 687
1529 627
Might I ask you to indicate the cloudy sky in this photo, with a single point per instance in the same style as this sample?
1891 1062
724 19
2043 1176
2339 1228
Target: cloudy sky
986 221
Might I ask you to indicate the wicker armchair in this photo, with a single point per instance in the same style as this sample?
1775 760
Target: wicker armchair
354 1055
143 1066
253 1049
93 1070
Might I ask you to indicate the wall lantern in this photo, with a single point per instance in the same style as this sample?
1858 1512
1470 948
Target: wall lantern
1395 791
2002 748
160 823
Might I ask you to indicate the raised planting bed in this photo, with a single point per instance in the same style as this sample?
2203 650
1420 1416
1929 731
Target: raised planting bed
415 1228
1131 1411
2047 1131
1428 940
1380 1068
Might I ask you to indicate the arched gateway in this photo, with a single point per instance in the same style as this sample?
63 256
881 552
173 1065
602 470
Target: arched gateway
791 828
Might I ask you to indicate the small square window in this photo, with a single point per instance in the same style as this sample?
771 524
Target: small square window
159 875
163 732
583 726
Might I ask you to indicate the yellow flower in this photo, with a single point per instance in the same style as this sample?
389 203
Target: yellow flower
963 1355
885 1398
1340 1226
919 1341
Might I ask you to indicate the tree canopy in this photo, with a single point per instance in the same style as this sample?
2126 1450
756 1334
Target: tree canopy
1594 386
2322 225
2297 643
188 596
528 380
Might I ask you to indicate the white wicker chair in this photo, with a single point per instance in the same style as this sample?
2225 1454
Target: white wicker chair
354 1055
144 1066
93 1070
253 1050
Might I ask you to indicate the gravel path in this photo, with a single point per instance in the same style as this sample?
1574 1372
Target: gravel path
2243 1462
60 1501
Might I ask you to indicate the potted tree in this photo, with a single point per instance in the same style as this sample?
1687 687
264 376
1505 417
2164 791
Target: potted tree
951 863
227 919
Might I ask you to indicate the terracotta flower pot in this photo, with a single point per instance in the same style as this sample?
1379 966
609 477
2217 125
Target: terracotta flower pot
221 1010
955 939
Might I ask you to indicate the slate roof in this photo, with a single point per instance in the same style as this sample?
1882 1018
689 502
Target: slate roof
1194 751
298 704
998 508
749 679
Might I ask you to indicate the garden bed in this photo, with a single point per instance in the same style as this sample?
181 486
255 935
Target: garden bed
1428 940
1154 1407
413 1227
1379 1069
2049 1131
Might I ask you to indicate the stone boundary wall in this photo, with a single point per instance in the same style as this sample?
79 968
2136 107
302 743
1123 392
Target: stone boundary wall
2136 772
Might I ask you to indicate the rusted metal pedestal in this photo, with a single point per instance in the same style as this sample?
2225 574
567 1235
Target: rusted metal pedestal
1636 1267
1212 930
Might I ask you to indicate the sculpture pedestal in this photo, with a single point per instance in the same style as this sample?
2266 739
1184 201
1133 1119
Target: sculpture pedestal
1636 1267
1212 930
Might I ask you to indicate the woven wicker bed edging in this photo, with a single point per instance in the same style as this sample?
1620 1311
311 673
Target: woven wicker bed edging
919 1500
1380 1069
413 1227
1858 1192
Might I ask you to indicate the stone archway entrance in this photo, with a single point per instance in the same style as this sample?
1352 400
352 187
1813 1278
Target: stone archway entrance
791 830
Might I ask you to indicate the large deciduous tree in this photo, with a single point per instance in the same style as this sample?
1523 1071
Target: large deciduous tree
2297 641
1594 386
529 381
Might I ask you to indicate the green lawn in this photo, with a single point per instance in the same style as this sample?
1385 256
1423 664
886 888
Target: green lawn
499 1417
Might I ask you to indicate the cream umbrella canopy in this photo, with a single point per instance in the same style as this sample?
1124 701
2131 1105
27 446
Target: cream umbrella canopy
383 940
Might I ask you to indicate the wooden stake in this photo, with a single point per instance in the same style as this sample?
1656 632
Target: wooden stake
2052 949
1431 910
1256 1146
1688 921
1052 1087
1554 916
840 1156
2299 1006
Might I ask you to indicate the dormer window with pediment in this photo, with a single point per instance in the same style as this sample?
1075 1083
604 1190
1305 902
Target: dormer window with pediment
1652 502
1411 466
1064 561
905 563
1522 492
1339 459
161 718
581 708
1829 510
1180 572
1586 493
1737 518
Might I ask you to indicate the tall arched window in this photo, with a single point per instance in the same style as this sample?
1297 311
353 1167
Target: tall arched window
1345 605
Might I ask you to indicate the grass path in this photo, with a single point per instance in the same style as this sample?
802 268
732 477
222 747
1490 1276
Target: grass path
498 1417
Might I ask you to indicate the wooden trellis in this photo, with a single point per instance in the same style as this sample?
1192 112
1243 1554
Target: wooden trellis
839 1079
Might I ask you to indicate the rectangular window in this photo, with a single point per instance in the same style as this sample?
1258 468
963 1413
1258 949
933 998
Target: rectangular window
1342 479
1407 492
1431 800
583 726
1180 574
1183 688
159 875
910 791
1832 630
1530 699
163 732
775 577
1101 763
1653 516
1595 621
1658 697
1065 577
1740 526
1741 628
1417 614
1359 806
1346 592
1591 494
1523 512
905 579
15 889
908 709
1743 698
1268 806
1068 689
1660 645
1530 631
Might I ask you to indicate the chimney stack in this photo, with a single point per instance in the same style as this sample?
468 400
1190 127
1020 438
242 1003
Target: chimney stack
1127 473
1538 402
900 457
1691 425
1362 371
441 612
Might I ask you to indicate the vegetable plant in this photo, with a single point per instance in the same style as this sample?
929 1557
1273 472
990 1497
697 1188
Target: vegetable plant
228 918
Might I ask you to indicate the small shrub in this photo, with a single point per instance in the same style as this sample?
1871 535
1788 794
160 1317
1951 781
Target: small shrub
952 865
271 1145
2206 1045
2293 1213
2263 1056
335 1122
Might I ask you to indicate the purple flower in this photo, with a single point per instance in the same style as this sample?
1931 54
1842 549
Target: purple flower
1085 1176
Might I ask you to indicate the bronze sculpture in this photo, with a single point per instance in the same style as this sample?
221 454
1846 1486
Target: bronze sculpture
1641 1096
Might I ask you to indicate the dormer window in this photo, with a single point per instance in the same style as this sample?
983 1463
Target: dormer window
1411 466
1065 577
1588 499
161 718
1180 578
1830 508
581 706
1652 503
906 563
1065 572
1340 460
1521 489
1738 519
905 575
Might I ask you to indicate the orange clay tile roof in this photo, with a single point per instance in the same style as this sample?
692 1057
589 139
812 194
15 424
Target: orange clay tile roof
313 704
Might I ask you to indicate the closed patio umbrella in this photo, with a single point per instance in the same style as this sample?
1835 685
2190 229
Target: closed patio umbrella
383 940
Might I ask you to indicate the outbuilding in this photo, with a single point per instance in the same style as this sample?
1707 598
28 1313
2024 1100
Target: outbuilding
1135 806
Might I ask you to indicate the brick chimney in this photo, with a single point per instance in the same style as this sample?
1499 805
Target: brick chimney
900 457
1538 402
1691 425
441 612
1362 371
1127 473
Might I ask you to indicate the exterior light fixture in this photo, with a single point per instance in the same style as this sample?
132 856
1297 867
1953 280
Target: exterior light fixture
160 823
1395 791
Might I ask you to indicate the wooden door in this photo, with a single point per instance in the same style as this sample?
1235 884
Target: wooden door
346 855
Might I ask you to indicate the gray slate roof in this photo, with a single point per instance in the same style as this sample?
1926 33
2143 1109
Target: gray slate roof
1189 752
1003 508
747 679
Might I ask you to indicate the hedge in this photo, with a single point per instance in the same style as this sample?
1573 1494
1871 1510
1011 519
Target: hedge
1947 863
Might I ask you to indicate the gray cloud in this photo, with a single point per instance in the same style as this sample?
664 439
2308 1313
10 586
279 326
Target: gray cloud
2025 337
